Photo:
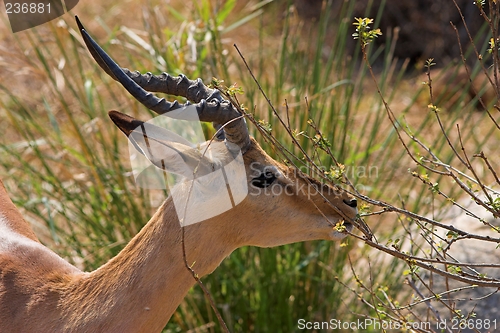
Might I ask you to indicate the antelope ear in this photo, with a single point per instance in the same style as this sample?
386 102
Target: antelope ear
124 122
165 149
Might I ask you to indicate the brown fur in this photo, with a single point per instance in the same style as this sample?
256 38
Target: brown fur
11 214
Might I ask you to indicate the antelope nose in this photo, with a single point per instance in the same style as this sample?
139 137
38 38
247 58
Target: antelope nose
351 202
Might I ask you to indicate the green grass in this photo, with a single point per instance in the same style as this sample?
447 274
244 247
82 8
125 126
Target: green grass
64 163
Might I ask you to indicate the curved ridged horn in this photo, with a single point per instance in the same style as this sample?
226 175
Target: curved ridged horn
209 104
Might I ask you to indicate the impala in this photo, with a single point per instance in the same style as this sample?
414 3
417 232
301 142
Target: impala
140 288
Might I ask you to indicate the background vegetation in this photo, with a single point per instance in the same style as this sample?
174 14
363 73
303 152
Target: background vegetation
67 168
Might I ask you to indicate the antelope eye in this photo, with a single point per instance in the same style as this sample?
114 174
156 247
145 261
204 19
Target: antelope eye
264 180
351 202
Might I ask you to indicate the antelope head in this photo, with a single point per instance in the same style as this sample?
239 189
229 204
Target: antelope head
282 205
